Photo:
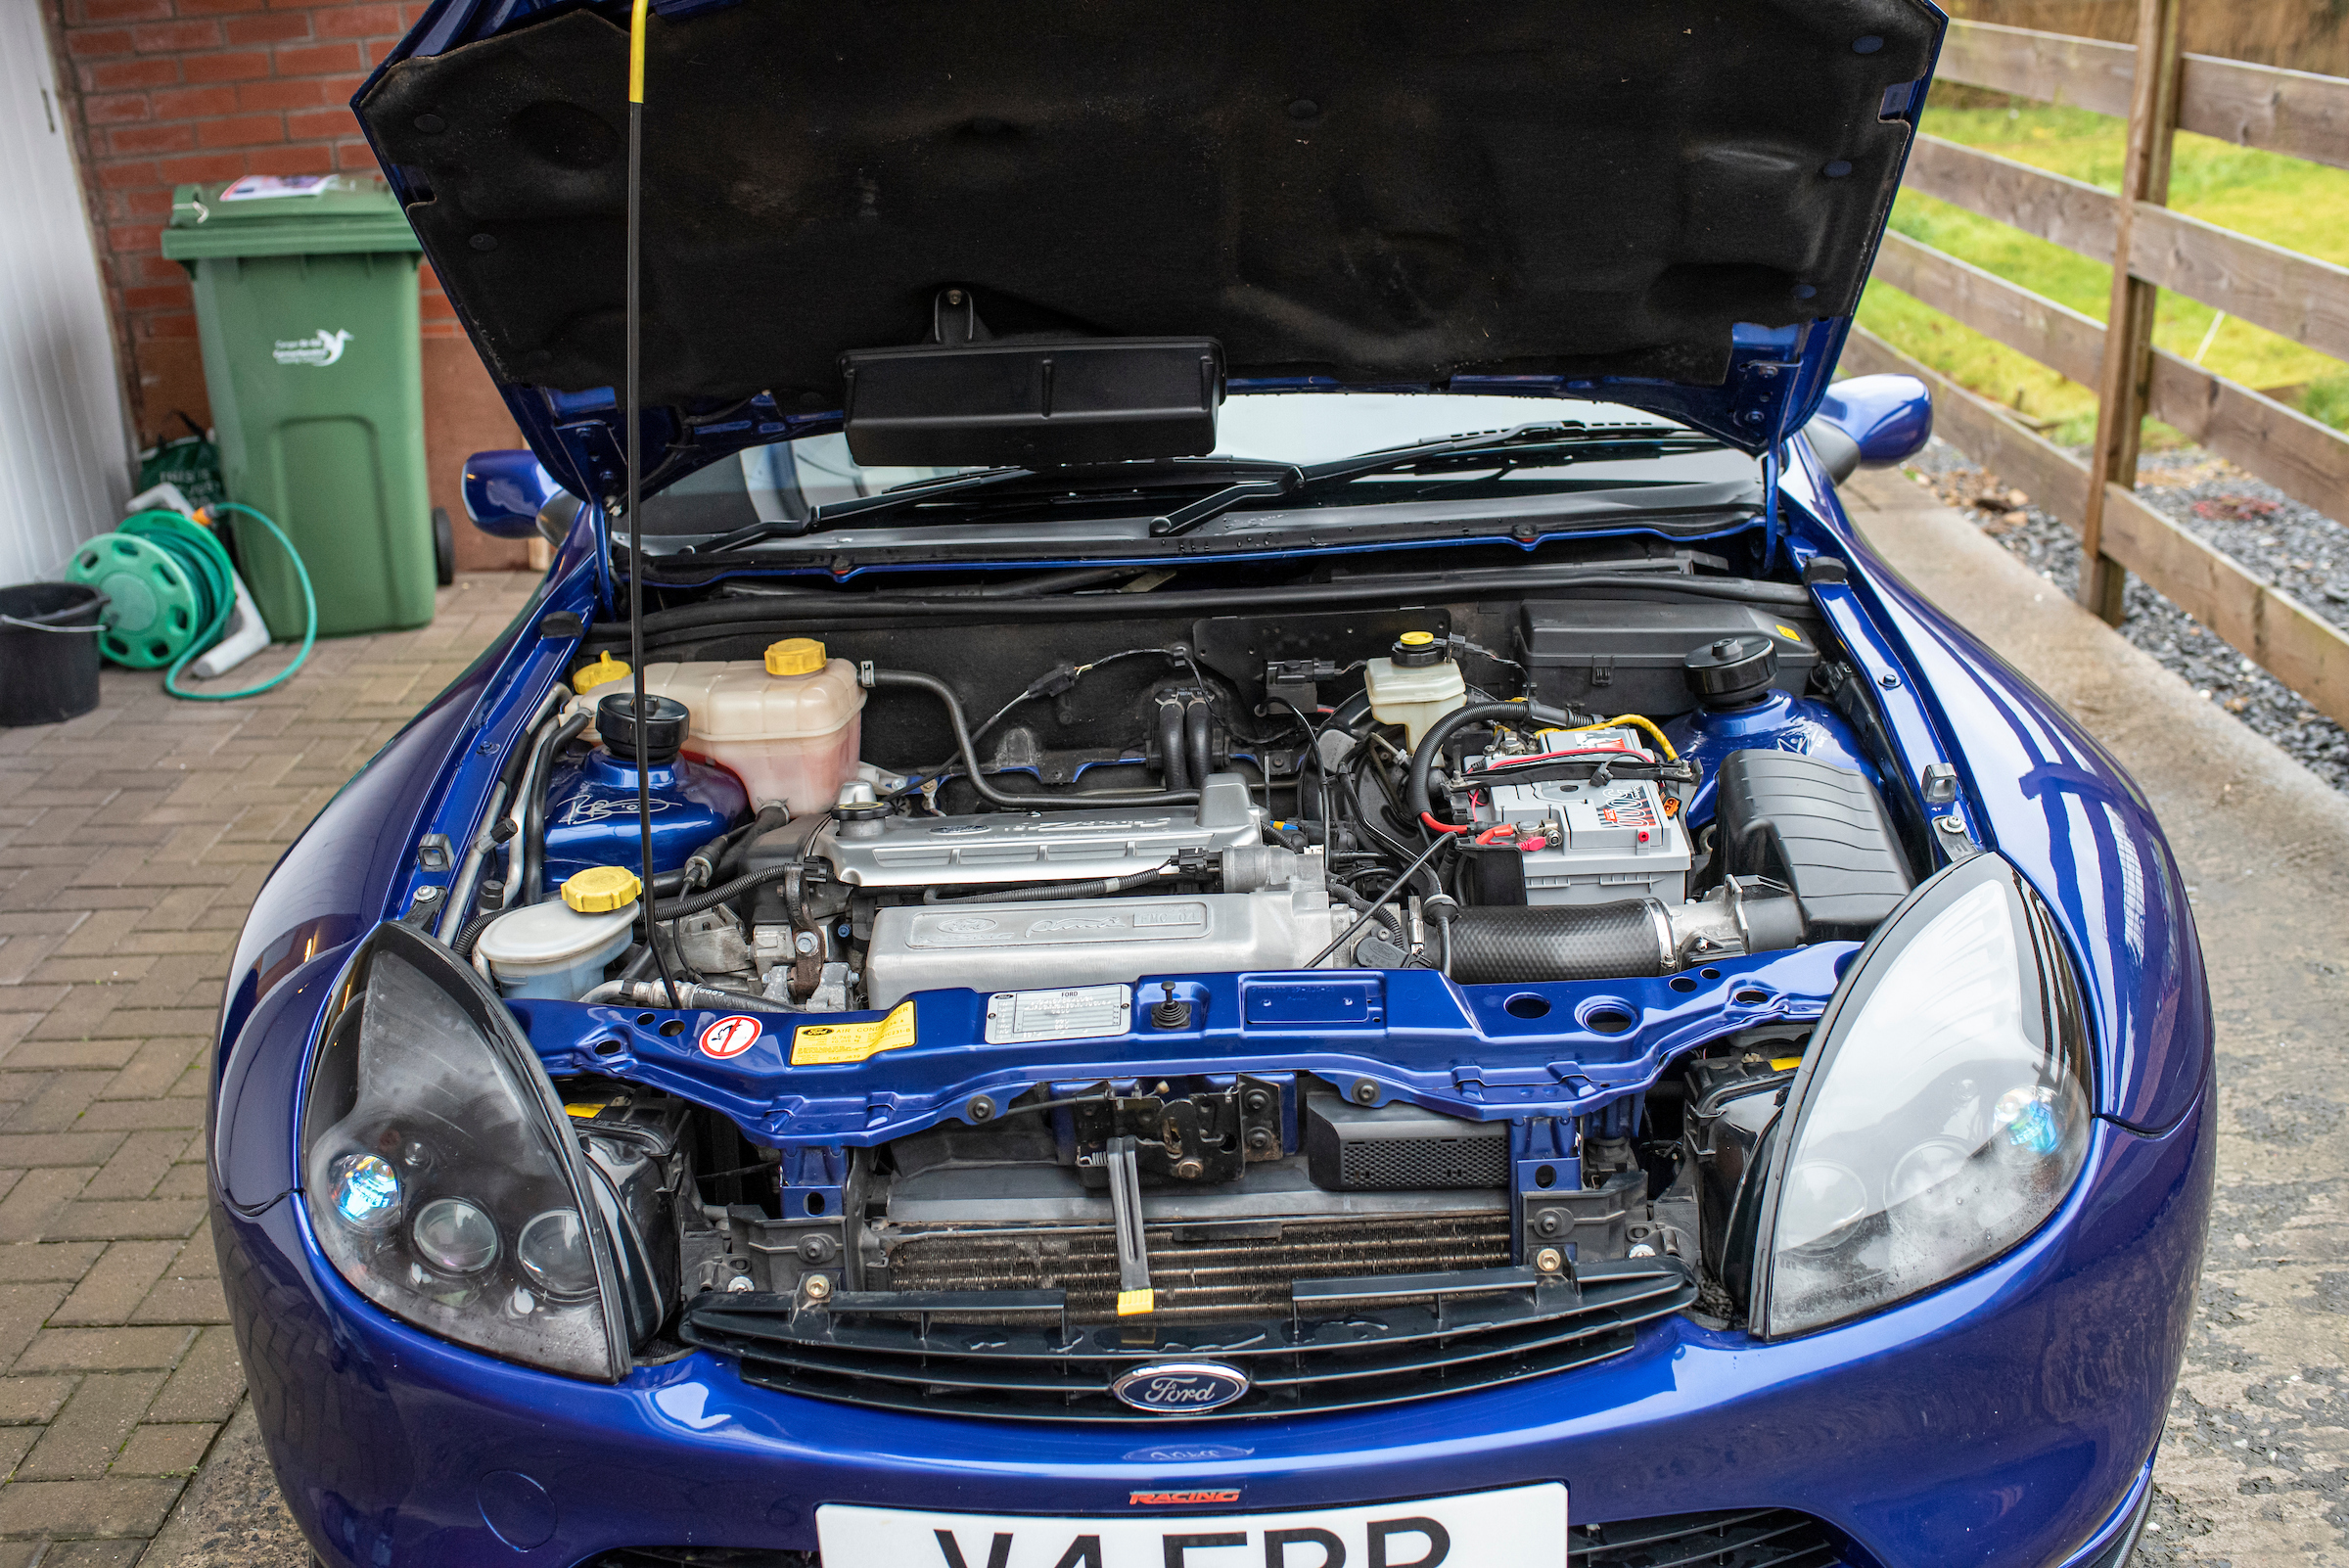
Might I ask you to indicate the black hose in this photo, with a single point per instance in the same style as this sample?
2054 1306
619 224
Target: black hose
725 893
533 815
470 933
1431 746
1491 944
1173 764
1197 747
1099 887
995 797
729 846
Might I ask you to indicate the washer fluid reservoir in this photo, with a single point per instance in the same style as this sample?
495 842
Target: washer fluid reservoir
591 799
788 726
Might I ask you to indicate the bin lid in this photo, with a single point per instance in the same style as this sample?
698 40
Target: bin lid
302 215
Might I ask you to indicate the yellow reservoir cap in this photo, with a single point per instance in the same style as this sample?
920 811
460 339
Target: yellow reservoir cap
601 888
795 656
605 671
1411 639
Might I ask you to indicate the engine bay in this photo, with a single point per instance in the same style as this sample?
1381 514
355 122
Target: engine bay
1242 851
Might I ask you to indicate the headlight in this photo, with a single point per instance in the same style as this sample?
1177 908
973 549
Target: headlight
1944 1111
439 1171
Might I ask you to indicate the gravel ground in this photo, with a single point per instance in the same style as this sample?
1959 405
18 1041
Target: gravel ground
2301 551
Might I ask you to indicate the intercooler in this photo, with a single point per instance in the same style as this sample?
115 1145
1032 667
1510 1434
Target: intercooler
1241 1269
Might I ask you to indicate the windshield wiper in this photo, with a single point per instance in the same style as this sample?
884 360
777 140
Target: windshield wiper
1524 441
1172 472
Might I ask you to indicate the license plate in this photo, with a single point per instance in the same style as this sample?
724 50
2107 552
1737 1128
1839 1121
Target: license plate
1524 1527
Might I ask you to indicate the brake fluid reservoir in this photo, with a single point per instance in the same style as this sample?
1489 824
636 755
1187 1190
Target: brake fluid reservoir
591 801
1416 685
558 949
788 726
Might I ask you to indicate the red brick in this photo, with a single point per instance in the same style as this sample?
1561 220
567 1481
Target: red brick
114 75
302 92
152 203
113 13
157 296
151 268
321 124
129 174
318 59
116 109
170 37
195 103
202 169
134 237
217 8
306 159
269 30
179 325
87 45
354 22
249 65
244 130
151 139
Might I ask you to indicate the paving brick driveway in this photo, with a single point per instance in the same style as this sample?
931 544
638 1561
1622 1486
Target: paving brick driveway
131 841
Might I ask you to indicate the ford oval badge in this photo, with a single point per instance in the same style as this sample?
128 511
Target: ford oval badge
1180 1388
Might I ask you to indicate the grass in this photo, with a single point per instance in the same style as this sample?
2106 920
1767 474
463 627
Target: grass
2300 205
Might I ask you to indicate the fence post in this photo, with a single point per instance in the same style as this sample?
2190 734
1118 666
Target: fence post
2124 384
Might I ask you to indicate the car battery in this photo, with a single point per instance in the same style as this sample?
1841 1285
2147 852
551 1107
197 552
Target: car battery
1581 842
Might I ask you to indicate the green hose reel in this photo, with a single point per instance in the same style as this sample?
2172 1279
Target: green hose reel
171 590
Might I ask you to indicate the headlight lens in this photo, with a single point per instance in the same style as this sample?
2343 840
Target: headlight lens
1945 1112
437 1161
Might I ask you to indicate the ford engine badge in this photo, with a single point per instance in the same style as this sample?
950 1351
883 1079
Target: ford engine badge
1179 1388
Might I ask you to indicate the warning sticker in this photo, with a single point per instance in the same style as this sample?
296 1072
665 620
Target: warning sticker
730 1036
830 1045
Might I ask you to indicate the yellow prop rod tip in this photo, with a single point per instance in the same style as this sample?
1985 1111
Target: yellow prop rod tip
637 54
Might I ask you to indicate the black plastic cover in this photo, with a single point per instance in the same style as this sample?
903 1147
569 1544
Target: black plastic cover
1033 405
1629 656
1820 830
664 727
1399 1147
1382 192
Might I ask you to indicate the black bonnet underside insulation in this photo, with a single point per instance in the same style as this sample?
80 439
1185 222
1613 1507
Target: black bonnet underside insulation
1379 191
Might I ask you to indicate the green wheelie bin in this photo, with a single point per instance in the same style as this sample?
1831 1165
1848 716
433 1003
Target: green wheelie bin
305 304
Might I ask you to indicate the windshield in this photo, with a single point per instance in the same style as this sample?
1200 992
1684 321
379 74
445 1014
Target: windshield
785 482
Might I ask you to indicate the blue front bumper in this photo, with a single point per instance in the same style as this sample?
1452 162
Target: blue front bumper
2004 1420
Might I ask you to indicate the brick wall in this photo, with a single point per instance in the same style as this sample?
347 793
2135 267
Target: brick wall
181 92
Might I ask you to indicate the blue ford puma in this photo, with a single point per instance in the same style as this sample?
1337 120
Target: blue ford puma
1234 862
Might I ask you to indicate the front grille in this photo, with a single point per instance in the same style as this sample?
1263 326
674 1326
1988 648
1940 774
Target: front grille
1343 1345
1739 1538
1198 1271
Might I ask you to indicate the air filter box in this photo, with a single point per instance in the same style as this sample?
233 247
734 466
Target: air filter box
1399 1147
1817 829
1625 657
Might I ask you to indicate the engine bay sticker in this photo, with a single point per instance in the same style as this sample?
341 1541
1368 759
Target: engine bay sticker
831 1044
1074 1012
729 1037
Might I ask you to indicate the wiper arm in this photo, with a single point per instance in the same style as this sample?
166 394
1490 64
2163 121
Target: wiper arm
1106 475
1365 464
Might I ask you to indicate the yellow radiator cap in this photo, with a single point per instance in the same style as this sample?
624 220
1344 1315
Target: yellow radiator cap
795 656
605 671
601 888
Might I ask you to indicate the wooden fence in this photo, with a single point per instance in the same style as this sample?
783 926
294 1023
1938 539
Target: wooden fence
2151 248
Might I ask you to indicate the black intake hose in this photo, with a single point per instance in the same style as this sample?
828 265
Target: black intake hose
533 815
1019 803
1431 746
1170 749
1197 749
1493 944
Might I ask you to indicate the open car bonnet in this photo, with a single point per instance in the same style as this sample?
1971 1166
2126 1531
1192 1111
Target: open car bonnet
1671 204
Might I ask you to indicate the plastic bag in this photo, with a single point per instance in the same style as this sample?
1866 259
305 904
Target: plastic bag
191 462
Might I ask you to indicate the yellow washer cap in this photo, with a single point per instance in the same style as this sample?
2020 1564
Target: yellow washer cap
601 888
1409 639
795 656
605 671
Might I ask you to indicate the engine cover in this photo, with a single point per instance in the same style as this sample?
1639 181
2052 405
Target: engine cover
1007 848
1091 942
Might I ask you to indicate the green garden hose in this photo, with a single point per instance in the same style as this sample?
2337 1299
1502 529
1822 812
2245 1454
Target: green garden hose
203 561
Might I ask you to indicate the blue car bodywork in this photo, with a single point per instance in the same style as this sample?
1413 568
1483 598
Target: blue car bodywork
2007 1417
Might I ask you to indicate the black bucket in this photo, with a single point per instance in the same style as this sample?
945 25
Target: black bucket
48 651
